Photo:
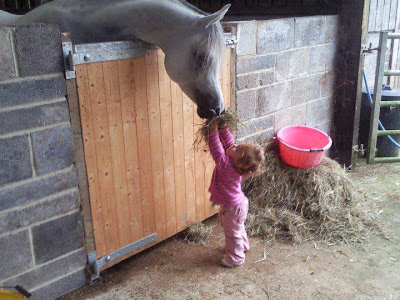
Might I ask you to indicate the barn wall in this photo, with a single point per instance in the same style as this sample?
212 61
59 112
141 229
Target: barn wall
382 17
41 232
285 74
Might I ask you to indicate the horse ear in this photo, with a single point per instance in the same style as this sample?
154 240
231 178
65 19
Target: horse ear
215 17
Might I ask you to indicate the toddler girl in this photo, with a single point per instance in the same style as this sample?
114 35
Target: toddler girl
231 163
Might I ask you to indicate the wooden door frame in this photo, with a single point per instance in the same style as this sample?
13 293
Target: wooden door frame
76 126
73 105
357 113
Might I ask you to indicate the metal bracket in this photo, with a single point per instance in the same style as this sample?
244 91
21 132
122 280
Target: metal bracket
68 64
90 53
96 264
368 48
230 40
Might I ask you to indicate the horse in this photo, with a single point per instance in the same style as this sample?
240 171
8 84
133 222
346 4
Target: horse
191 39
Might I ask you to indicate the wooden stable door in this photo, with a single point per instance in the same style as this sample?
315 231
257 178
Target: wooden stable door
138 131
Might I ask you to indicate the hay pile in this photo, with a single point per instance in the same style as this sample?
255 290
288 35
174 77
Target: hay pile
306 204
198 233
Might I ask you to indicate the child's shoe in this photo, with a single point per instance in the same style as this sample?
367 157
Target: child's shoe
225 263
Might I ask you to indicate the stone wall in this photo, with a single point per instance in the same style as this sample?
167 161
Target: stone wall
285 74
41 230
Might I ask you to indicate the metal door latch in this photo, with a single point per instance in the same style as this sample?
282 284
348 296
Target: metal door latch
230 40
368 48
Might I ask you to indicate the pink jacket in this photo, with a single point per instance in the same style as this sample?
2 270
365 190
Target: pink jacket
225 187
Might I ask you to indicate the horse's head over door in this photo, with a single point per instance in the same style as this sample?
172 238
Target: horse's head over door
193 58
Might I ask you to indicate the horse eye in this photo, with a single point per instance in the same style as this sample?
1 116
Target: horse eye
199 60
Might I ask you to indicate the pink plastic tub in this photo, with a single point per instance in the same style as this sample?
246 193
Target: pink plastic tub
302 146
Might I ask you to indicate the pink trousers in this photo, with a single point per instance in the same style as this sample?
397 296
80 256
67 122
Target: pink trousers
232 219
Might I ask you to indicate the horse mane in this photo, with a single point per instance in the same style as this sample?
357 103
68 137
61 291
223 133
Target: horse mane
214 41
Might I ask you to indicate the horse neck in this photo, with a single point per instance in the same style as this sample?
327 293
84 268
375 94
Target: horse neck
159 21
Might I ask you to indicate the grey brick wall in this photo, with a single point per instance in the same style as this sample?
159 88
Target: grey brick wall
41 230
285 74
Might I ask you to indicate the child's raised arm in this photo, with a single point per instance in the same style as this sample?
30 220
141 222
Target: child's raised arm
216 149
226 137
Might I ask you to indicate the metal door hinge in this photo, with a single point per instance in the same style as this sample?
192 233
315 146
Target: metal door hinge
96 264
359 150
89 53
68 63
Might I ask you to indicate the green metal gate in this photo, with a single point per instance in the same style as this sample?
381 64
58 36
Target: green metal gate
374 131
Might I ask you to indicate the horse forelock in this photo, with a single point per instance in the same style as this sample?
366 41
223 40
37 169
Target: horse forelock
213 46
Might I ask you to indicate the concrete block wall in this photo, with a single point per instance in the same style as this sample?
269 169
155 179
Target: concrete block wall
285 74
41 230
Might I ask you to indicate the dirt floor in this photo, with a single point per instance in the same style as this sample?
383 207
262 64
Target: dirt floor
177 270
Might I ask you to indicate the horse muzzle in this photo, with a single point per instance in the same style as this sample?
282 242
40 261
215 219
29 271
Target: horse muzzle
209 113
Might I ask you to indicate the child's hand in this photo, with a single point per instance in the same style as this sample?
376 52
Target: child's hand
215 205
214 126
222 125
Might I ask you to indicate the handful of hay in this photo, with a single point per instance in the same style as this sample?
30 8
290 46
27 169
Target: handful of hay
306 204
229 118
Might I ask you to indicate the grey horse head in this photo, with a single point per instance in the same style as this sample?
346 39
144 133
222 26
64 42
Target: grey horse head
192 40
193 60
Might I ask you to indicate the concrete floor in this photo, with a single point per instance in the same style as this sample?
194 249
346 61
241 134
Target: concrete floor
177 270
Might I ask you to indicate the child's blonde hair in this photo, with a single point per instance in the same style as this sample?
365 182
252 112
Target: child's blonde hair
252 159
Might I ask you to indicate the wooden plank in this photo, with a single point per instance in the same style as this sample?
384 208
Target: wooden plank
143 137
189 160
379 15
380 66
208 171
222 79
128 90
394 64
153 102
199 165
179 155
393 15
167 144
386 15
397 84
96 205
372 15
227 76
357 110
103 153
115 128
